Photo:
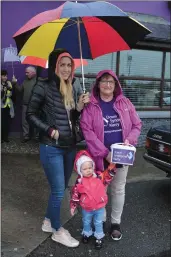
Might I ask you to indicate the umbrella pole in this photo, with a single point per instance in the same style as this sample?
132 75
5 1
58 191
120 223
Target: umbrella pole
81 56
12 69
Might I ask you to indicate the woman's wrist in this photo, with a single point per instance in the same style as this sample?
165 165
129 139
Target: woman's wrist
56 135
79 107
108 157
51 132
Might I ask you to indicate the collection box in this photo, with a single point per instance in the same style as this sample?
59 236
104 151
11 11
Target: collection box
122 154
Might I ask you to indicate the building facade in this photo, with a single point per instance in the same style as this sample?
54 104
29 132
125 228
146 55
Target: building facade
144 72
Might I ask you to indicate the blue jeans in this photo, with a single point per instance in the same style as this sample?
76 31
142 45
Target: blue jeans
58 165
97 217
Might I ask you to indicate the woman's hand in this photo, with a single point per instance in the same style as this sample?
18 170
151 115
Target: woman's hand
126 142
83 99
14 80
86 98
72 211
55 134
108 158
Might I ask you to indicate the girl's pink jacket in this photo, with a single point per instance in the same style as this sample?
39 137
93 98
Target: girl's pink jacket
93 126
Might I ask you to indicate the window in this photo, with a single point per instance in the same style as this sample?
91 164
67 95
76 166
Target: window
89 82
141 63
105 62
167 66
142 93
140 74
166 100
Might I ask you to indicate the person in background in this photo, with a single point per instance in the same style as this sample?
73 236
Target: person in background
53 111
7 106
26 88
77 88
89 192
110 118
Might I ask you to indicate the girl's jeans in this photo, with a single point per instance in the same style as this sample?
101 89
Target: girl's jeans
58 164
97 217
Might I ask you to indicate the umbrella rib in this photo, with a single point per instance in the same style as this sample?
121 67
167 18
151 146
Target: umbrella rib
75 22
59 21
67 26
80 21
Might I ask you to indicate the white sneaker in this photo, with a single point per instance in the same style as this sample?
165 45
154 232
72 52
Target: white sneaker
46 226
63 236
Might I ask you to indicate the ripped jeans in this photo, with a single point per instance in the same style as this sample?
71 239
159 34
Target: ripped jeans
97 217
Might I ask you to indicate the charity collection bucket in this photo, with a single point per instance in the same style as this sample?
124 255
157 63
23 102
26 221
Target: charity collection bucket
122 154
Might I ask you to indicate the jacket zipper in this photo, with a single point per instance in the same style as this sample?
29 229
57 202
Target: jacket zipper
83 199
103 128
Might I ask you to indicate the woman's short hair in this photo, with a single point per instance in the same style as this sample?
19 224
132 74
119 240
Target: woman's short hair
96 88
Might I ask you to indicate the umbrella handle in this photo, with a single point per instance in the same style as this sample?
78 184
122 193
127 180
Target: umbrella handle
81 56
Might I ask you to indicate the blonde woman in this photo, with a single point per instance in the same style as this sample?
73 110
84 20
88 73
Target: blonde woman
53 111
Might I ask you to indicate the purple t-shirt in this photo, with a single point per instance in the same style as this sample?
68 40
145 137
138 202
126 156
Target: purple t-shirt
112 124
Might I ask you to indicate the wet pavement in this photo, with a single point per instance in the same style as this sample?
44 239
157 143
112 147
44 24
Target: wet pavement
24 199
145 224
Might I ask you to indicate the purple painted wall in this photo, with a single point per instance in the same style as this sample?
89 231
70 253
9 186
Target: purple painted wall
16 14
157 8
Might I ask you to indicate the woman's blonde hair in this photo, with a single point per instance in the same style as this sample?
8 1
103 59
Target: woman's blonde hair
66 88
66 91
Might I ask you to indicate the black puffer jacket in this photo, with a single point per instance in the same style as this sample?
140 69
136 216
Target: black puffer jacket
46 110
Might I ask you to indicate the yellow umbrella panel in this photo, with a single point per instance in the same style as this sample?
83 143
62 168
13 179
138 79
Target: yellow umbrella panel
43 40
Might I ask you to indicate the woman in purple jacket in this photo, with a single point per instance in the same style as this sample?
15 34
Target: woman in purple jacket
110 118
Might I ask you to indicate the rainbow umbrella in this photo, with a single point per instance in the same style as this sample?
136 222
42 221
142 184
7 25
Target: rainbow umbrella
44 63
86 30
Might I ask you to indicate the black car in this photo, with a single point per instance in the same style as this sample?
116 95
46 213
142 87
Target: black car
158 148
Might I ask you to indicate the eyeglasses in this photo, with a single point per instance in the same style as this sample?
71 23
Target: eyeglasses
106 82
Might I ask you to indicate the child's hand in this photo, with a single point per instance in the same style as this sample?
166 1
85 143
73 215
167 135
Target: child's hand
72 212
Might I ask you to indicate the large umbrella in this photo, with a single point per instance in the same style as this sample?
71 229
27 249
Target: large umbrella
86 30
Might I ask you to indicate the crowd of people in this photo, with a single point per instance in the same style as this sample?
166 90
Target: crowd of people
53 107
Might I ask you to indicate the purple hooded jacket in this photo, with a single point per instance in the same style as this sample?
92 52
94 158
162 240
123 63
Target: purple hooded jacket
92 123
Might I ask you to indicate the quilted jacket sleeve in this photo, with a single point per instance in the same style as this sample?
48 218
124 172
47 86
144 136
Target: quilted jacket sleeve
34 106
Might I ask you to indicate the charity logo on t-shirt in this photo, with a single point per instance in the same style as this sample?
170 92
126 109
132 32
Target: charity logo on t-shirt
112 124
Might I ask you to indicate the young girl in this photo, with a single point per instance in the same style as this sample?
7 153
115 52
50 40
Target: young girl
90 193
